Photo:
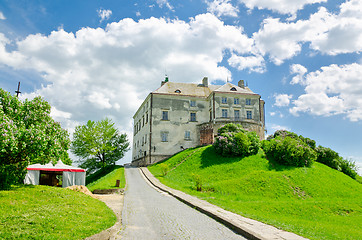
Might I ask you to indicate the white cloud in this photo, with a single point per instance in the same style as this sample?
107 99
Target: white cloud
282 100
326 32
280 6
138 13
332 90
2 17
94 73
255 63
222 8
300 71
104 14
162 3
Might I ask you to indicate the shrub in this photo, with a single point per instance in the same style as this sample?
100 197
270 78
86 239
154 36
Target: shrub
164 169
348 167
328 157
241 144
198 181
11 174
254 143
289 151
230 127
236 143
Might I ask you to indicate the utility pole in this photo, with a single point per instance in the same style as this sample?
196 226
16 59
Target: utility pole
18 91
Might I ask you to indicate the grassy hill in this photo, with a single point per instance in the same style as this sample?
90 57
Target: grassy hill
42 212
316 202
106 178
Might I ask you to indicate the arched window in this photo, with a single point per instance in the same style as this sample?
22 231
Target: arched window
178 91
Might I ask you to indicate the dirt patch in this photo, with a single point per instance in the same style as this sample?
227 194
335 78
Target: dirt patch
80 188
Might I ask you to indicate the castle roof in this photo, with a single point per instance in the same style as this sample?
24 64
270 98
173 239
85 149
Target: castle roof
199 90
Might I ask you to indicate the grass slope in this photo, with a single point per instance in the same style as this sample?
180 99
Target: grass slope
108 181
316 202
42 212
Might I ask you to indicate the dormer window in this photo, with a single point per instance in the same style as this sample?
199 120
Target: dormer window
233 89
178 91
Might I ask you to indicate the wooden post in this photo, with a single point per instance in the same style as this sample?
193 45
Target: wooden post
118 183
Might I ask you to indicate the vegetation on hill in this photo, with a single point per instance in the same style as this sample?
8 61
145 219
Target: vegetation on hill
42 212
317 202
106 178
28 134
288 148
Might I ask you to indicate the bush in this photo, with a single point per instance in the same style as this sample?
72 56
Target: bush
198 181
11 174
328 157
238 142
289 151
230 127
164 169
348 167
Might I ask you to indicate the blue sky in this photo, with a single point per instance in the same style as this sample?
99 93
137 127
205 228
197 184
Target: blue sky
92 59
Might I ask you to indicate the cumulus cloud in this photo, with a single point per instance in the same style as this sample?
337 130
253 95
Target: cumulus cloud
255 63
326 32
97 73
104 14
332 90
2 17
222 8
299 71
282 100
280 6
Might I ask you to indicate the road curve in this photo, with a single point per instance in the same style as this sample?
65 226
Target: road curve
151 214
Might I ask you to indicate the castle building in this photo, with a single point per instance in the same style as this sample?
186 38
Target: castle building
177 116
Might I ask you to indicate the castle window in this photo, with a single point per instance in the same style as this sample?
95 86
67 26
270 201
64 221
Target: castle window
233 89
192 103
249 115
146 117
237 114
224 100
178 91
193 117
224 113
187 135
164 115
248 101
236 101
164 136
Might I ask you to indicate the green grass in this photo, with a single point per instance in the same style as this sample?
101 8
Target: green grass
316 202
108 181
42 212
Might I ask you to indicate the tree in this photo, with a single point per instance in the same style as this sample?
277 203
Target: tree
28 134
98 144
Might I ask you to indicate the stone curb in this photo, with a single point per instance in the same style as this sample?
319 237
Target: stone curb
249 228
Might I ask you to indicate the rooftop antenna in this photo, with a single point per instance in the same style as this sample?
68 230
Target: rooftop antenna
227 78
18 91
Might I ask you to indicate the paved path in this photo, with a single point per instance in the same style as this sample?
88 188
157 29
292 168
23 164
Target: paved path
151 214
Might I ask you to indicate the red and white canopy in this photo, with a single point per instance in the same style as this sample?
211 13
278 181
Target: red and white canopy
59 167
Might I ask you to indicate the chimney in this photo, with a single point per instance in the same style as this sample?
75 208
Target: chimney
205 82
241 84
166 80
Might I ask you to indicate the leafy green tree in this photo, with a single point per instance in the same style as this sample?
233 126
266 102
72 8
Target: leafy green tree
28 134
98 144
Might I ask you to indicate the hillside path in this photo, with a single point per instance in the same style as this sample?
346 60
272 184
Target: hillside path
152 214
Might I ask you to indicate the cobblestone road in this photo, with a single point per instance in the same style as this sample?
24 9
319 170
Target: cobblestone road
151 214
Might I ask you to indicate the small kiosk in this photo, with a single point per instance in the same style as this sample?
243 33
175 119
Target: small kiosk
50 175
